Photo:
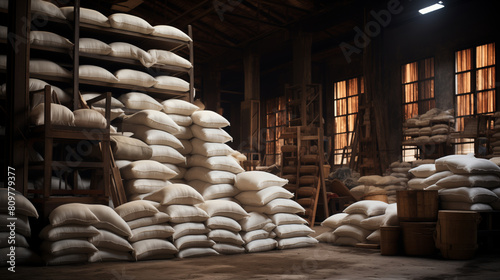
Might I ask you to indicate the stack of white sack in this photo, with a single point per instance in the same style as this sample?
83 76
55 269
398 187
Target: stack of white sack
15 231
180 112
150 230
75 227
358 223
143 177
189 231
263 193
470 183
224 225
212 169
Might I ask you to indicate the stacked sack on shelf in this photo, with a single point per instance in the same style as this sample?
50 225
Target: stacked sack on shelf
224 225
433 127
211 165
359 223
263 193
466 183
75 229
116 107
150 231
188 221
15 210
495 137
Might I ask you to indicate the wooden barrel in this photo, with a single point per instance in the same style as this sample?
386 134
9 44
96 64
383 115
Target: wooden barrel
390 240
417 205
456 235
418 238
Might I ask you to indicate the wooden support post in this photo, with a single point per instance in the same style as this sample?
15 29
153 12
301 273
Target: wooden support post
250 108
251 66
76 55
17 88
302 43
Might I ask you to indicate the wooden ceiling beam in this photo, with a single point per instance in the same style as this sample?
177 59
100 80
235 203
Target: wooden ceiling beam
281 4
275 20
203 27
254 20
196 7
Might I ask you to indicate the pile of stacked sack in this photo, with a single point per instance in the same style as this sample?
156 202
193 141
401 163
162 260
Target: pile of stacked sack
79 233
15 229
359 223
224 225
212 169
263 194
378 187
189 234
150 231
180 112
433 127
464 182
153 138
176 221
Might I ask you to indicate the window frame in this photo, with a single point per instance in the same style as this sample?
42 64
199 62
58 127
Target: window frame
410 152
349 132
466 145
273 132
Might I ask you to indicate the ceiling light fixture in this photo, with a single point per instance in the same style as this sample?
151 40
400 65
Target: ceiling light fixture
431 8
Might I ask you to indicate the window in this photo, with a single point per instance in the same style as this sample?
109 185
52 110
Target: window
346 99
418 94
475 92
275 124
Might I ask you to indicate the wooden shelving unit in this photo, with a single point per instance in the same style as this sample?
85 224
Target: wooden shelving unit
71 59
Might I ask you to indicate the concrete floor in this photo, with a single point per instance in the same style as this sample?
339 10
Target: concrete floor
320 262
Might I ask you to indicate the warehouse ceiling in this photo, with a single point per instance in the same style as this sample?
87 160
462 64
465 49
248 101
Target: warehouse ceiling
225 26
224 29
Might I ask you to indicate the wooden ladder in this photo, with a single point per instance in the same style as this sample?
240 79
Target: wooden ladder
117 192
290 157
353 146
302 165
